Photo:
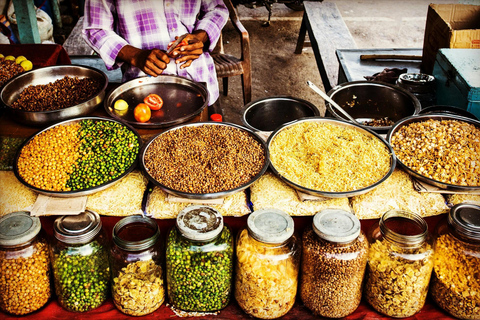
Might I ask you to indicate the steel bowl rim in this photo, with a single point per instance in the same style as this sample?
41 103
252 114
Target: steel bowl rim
330 194
416 103
105 85
83 192
154 80
252 104
202 196
428 116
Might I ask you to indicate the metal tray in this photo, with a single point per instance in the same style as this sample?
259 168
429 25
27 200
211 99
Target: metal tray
330 194
183 99
14 87
214 195
78 193
435 116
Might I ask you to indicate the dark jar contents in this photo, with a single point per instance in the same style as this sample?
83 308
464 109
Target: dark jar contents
334 258
25 284
199 259
400 262
136 264
455 283
268 258
80 263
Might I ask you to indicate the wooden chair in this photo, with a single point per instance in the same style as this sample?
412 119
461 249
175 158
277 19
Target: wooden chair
228 66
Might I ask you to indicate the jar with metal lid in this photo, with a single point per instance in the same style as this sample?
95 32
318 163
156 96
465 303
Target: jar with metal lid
136 264
422 86
199 259
268 259
334 257
400 262
24 264
80 263
455 283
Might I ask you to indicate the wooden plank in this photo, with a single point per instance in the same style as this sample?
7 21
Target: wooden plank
327 32
26 21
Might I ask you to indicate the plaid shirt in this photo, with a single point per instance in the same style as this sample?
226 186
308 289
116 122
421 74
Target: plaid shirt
109 25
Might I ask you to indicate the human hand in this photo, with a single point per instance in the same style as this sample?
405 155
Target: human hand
190 50
152 62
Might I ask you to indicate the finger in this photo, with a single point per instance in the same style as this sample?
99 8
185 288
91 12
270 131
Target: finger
156 68
186 64
186 58
162 56
192 47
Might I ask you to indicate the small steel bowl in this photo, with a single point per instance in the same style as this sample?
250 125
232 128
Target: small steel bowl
14 87
78 193
267 114
340 123
367 100
214 195
434 116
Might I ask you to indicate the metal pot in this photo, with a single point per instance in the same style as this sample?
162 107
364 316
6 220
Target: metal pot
367 100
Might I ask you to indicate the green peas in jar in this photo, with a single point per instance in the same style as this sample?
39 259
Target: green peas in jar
199 258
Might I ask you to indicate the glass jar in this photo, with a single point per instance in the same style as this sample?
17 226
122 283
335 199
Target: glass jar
266 270
400 262
199 256
80 264
24 264
455 283
335 252
136 264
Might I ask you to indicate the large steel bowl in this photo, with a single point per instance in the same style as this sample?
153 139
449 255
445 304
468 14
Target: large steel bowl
214 195
367 100
267 114
78 193
340 123
183 99
434 116
14 87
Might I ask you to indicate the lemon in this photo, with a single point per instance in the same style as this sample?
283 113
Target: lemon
10 58
20 59
2 56
26 65
120 105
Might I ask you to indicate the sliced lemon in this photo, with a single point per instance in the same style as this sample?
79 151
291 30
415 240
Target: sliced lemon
26 65
10 58
2 56
20 59
120 105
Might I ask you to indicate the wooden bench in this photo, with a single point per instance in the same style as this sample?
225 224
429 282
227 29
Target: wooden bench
327 32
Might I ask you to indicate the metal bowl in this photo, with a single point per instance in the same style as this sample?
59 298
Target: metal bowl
340 123
367 100
183 99
267 114
435 116
14 87
214 195
78 193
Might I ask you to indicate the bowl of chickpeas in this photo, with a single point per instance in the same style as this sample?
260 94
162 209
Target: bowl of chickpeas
442 150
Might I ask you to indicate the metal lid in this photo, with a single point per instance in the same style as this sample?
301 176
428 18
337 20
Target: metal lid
465 219
80 228
336 225
270 225
200 223
18 228
136 222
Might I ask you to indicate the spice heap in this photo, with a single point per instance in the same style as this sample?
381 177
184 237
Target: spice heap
332 275
9 68
82 276
266 287
327 157
78 156
456 278
60 94
204 159
199 279
25 282
396 285
447 151
138 289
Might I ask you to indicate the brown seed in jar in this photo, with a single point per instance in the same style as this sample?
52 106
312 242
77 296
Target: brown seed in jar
24 282
204 159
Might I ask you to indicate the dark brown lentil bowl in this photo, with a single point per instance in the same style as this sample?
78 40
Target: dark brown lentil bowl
204 160
127 134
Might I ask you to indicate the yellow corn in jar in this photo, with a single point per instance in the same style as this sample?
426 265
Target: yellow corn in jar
24 264
400 262
268 257
456 273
